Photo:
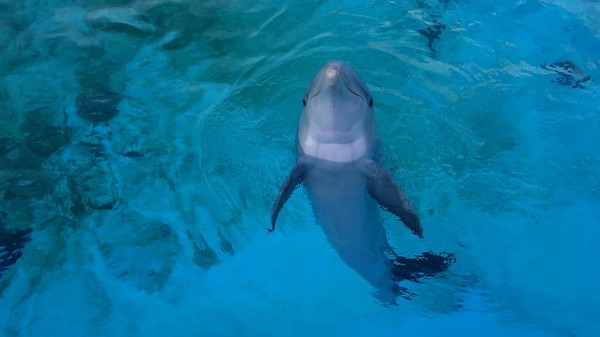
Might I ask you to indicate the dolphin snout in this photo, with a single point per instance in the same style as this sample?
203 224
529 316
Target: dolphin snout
332 76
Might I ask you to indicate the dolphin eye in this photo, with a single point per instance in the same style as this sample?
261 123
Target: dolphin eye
370 102
304 101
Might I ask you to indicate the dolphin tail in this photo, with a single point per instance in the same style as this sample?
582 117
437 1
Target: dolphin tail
382 188
293 180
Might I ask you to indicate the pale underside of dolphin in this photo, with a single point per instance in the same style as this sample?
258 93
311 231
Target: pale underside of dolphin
336 146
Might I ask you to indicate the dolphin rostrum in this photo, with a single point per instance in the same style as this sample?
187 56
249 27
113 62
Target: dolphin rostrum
336 146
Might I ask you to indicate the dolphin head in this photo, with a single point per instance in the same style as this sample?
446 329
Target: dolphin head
337 123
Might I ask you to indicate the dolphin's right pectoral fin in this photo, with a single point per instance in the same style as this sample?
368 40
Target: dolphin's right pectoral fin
382 188
293 180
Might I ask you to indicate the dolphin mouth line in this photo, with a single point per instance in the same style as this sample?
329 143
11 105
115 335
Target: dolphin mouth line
345 85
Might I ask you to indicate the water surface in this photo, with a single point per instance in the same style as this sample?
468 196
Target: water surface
144 142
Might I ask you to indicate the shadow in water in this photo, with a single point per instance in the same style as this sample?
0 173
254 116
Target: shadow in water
11 247
416 268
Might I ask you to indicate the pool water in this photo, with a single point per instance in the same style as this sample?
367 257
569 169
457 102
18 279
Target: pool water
143 143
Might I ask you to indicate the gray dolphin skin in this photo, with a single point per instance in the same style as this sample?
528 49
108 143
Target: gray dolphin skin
336 145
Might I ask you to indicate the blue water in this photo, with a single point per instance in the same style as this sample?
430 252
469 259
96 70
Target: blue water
149 205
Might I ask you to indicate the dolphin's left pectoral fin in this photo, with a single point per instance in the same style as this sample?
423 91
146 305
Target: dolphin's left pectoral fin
293 180
382 188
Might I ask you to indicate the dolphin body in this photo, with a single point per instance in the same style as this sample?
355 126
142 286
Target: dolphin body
336 146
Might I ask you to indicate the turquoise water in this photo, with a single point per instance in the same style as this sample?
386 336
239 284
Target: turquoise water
144 142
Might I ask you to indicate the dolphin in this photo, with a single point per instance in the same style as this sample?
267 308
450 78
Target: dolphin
336 163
